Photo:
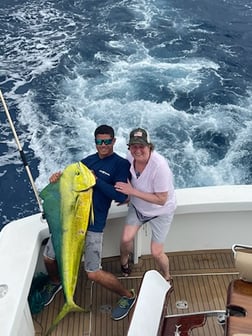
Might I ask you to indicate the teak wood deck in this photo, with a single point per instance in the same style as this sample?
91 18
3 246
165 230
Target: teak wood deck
201 280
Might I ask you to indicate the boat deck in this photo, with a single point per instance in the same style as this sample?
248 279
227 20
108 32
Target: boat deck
201 280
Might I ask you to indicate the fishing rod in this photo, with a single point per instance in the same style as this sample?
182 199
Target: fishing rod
22 155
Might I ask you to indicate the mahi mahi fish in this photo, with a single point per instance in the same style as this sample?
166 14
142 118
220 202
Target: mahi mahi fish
67 206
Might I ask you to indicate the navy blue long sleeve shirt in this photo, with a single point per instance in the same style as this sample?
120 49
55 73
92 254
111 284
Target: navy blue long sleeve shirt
108 171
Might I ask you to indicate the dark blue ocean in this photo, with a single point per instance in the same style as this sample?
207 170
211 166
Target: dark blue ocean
180 68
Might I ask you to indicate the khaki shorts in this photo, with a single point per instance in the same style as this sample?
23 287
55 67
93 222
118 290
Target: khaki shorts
160 225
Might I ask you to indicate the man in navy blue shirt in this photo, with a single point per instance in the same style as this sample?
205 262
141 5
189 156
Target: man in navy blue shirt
108 168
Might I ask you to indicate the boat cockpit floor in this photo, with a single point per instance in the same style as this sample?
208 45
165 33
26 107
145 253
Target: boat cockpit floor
201 280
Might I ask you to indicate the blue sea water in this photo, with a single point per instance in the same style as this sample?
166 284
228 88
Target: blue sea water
181 69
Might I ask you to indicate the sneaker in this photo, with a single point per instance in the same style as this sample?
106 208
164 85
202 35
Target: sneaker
126 270
123 306
49 291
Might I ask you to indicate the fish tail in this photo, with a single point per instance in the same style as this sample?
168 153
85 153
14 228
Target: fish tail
67 308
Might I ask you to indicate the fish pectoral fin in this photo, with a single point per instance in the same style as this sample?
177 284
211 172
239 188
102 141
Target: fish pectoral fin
85 190
67 308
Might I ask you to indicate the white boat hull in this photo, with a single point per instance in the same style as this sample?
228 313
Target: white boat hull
206 218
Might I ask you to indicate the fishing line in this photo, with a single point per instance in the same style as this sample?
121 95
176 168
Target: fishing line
22 155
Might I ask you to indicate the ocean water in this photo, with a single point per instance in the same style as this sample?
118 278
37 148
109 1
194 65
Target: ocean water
181 69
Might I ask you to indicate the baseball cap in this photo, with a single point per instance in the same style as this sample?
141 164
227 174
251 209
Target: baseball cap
139 136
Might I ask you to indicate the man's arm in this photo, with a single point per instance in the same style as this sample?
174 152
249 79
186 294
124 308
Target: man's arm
122 174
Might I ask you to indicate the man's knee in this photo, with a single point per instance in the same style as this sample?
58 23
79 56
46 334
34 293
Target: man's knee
93 276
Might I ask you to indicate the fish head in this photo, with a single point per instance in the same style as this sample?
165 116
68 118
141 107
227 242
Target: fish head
78 176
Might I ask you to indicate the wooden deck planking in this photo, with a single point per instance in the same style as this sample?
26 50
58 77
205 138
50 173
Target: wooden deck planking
103 301
201 278
202 293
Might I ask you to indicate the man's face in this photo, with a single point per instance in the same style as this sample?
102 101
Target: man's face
104 144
